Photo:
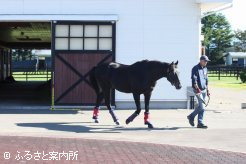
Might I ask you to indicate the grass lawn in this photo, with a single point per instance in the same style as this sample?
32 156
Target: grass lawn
227 82
31 76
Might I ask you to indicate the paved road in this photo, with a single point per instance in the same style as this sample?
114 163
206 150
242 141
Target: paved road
172 140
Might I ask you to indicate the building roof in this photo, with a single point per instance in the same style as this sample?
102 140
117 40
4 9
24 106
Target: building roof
42 53
213 5
236 54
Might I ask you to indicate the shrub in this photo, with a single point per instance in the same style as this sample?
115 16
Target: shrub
243 76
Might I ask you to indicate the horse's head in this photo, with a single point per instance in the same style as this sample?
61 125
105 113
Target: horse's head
173 75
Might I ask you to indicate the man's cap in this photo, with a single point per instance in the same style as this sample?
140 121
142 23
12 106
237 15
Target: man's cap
204 57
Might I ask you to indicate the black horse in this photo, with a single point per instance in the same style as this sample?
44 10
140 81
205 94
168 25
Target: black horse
138 78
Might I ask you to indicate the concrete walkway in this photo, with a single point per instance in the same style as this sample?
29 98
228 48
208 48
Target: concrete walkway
226 132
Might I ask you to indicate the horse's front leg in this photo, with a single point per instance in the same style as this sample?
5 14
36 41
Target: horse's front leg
111 110
137 112
147 96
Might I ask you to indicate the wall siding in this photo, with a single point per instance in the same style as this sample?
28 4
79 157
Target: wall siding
165 30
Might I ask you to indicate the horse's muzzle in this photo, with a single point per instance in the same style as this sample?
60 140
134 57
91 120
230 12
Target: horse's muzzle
179 86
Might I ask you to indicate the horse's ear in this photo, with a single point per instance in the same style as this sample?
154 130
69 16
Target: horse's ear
177 62
172 63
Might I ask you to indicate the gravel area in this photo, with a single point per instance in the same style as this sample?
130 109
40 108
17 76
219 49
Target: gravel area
226 99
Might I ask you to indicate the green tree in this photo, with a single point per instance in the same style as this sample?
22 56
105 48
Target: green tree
217 36
21 54
241 40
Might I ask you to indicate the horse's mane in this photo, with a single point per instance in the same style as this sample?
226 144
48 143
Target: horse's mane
142 61
152 62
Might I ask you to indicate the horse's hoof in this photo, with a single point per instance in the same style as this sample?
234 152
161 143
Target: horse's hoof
127 121
150 126
96 121
117 122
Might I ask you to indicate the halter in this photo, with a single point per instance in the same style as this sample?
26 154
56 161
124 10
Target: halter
170 78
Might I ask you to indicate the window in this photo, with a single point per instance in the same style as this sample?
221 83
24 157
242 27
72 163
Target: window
234 60
83 37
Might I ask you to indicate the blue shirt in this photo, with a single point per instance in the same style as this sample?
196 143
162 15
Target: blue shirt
199 76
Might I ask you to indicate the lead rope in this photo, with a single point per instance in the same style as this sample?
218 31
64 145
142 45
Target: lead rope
206 104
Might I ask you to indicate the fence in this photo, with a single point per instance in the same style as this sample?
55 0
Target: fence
225 71
30 75
21 66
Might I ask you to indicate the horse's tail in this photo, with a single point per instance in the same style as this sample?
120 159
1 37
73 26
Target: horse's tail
93 80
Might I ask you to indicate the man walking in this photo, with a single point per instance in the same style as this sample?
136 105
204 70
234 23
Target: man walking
199 76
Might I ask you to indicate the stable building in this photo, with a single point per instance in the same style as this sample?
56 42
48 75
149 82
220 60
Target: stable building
84 33
235 59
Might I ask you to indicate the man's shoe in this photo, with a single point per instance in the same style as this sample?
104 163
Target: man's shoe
202 126
191 121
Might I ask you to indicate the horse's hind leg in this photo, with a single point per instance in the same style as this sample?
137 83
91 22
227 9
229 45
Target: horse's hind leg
147 96
97 108
137 112
107 96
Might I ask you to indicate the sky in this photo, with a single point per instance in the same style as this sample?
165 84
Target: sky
236 15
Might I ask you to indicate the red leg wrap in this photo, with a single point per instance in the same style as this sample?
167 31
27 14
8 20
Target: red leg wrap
146 117
95 112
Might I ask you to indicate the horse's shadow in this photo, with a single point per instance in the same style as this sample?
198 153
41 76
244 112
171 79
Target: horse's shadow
95 128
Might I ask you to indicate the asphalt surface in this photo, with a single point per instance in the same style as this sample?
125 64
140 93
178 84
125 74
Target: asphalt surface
33 136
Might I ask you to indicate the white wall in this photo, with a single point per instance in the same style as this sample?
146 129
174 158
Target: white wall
166 30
